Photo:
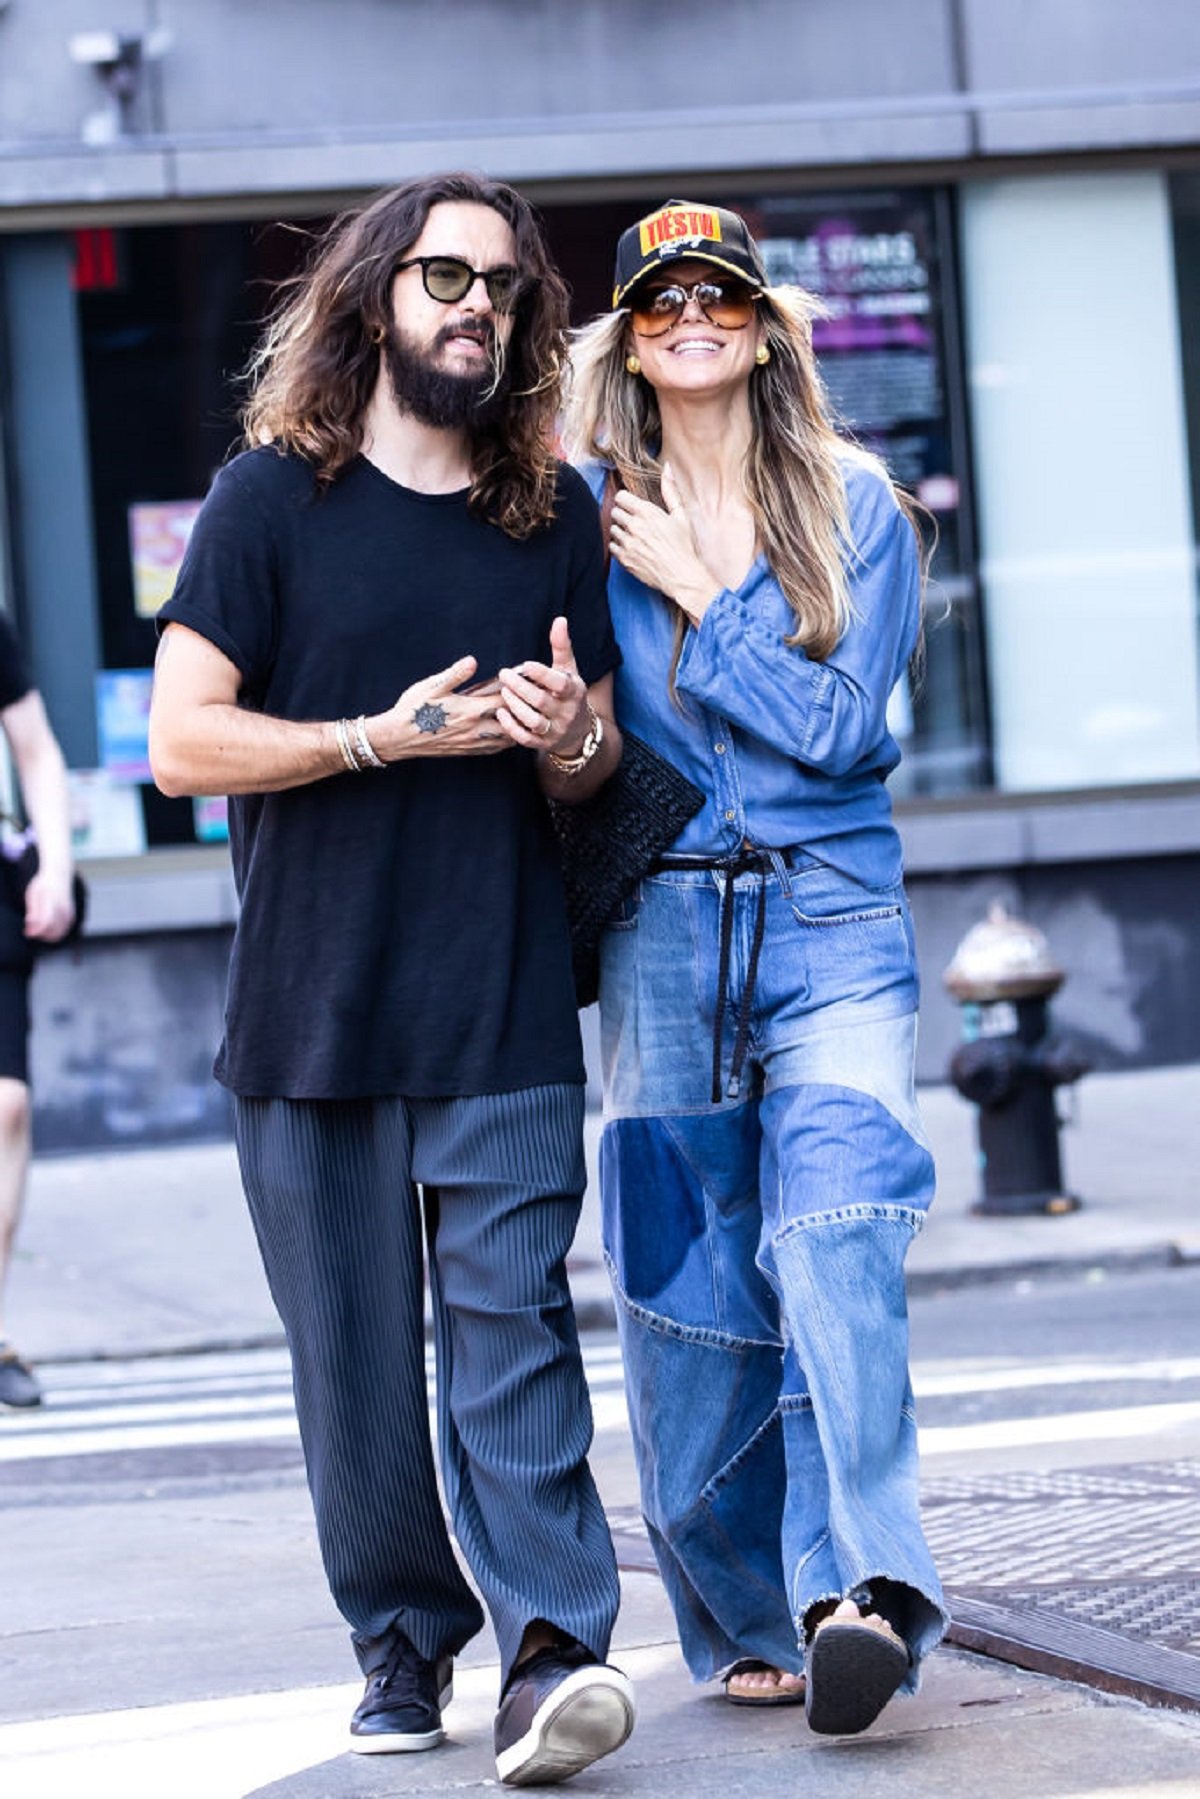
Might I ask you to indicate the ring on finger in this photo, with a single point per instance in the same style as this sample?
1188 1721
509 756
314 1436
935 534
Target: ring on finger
546 726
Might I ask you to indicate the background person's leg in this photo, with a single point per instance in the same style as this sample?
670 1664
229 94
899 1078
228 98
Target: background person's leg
15 1133
18 1387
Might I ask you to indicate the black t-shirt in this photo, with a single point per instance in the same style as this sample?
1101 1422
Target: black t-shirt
403 931
14 682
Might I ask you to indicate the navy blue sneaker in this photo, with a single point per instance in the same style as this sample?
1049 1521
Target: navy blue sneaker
560 1711
401 1709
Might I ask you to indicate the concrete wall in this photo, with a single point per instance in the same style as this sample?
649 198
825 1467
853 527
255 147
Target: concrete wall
137 1072
259 98
1123 932
126 1022
1112 883
1111 878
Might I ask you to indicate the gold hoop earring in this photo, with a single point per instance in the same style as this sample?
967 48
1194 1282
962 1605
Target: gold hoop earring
762 355
378 335
633 364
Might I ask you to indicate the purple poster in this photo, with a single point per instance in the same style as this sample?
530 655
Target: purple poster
872 261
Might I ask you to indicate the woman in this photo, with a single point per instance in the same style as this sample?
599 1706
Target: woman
763 1167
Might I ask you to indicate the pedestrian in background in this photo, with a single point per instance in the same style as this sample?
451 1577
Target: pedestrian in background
763 1166
40 910
401 1012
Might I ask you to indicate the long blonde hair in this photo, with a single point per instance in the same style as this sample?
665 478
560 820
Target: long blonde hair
794 479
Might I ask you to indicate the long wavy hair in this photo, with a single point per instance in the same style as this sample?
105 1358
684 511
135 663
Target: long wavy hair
793 476
315 371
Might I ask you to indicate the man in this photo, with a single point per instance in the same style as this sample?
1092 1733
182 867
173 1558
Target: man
44 913
400 1011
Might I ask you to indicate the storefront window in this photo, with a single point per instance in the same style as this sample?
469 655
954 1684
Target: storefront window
1084 495
168 316
1184 195
1082 365
882 263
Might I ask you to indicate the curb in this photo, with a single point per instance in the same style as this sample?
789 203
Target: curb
595 1312
1102 1659
923 1281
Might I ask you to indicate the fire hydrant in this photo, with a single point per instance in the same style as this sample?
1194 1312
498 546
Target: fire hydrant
1009 1064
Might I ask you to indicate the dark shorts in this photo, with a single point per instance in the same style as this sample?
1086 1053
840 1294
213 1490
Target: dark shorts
14 1025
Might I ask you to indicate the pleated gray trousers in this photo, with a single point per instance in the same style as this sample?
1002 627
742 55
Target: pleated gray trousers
332 1187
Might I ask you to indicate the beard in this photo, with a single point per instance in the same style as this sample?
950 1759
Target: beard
437 396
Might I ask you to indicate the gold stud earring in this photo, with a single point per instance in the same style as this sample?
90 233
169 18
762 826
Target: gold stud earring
762 355
633 364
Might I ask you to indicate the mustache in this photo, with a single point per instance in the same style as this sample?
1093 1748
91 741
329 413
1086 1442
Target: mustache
480 329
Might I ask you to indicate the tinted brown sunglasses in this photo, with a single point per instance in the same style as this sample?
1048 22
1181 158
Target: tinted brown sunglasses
724 301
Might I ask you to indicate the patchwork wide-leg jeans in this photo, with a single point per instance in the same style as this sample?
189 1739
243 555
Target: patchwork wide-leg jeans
332 1189
757 1248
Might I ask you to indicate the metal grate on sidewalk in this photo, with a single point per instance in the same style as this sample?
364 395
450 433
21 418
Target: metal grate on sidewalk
1087 1573
1090 1574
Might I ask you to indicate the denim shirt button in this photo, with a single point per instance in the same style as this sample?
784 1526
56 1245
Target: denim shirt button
730 816
720 748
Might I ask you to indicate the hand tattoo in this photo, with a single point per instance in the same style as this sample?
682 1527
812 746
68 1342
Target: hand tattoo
430 719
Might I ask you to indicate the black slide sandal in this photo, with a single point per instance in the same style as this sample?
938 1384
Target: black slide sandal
853 1669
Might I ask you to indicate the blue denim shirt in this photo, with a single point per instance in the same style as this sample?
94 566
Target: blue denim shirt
787 750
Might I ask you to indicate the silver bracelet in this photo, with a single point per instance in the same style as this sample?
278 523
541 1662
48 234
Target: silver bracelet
341 731
364 743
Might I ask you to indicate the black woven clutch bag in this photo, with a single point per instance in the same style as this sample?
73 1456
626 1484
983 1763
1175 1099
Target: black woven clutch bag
607 843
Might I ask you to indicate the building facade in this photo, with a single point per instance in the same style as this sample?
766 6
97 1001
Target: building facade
1000 208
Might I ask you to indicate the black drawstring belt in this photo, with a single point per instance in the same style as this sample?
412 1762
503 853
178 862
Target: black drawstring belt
729 867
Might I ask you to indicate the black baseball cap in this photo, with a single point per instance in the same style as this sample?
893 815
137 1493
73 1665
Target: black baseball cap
681 229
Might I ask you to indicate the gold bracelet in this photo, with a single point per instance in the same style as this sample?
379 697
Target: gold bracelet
572 765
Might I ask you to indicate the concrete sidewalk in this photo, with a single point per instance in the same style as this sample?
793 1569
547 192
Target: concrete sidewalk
974 1726
151 1250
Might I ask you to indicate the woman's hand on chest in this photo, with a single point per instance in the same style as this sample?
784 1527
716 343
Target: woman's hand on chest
658 544
688 553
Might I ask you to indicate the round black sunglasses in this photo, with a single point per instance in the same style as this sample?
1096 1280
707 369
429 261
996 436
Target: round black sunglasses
449 278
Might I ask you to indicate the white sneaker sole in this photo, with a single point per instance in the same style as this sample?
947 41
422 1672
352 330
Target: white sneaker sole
395 1742
589 1714
408 1742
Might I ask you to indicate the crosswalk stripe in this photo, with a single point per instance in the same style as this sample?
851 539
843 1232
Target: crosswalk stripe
1057 1427
938 1384
125 1416
109 1408
153 1436
157 1412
